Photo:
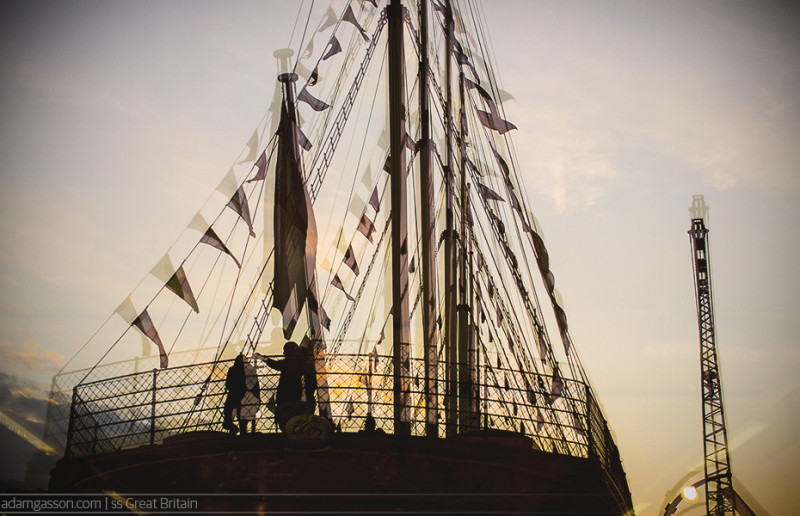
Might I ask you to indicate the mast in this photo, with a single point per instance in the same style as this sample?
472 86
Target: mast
720 498
465 408
427 211
397 133
450 320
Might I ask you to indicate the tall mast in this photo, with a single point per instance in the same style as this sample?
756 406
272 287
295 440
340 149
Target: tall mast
450 301
401 336
429 272
720 498
465 408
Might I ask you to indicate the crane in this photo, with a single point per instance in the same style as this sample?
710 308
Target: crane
720 497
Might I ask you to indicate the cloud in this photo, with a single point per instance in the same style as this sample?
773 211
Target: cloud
24 402
31 357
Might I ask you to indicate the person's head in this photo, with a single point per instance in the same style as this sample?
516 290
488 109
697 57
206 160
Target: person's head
290 347
239 360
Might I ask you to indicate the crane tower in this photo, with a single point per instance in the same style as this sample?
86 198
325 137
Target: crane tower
720 497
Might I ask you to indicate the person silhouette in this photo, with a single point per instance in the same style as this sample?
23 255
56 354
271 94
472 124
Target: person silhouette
236 387
290 383
251 400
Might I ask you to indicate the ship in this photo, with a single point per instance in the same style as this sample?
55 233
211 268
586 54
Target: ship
398 252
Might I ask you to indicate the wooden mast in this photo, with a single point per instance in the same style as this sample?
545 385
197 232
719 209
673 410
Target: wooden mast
427 211
401 337
450 320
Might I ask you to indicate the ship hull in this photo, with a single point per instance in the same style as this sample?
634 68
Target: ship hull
476 473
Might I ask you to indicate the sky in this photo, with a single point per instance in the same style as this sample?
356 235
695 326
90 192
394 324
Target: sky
119 118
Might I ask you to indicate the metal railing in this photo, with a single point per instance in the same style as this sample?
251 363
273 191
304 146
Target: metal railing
146 407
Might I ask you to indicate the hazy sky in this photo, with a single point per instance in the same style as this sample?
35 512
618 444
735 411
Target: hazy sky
119 119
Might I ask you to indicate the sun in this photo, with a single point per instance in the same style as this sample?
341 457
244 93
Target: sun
689 493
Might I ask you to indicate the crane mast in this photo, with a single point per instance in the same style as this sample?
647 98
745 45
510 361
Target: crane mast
720 497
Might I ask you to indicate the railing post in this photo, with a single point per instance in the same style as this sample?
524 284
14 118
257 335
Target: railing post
153 410
71 423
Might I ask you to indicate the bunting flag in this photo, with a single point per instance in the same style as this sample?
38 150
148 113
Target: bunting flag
357 205
373 2
253 146
350 259
578 424
335 48
374 201
410 143
543 347
211 238
325 321
238 203
180 286
462 58
315 103
295 230
337 282
500 161
349 17
301 138
495 122
309 49
539 420
313 77
126 310
366 227
487 98
366 178
412 268
228 185
556 387
387 165
329 21
145 325
488 193
261 163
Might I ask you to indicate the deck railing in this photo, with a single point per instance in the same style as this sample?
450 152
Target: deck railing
146 407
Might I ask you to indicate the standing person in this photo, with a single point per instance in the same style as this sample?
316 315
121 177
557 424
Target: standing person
290 383
236 387
251 400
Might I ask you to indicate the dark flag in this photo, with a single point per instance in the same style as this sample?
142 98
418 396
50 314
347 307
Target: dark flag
335 48
238 203
262 168
211 238
495 122
337 282
366 227
350 17
315 103
350 259
145 325
180 286
294 227
374 201
488 193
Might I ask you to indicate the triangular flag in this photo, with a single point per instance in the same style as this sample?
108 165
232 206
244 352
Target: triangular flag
349 17
350 259
495 122
164 269
253 146
337 282
330 20
374 201
238 203
262 168
366 227
180 286
126 310
228 184
335 48
211 238
488 193
145 325
315 103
